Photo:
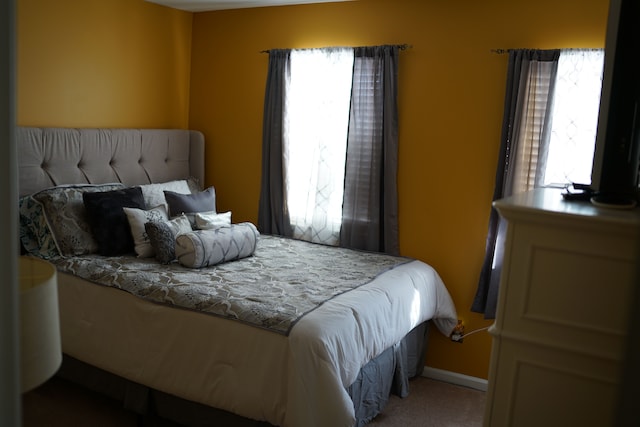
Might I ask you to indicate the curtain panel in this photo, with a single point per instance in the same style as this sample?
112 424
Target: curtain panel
273 217
370 208
523 147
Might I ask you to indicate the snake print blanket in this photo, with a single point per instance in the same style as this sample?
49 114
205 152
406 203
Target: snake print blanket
273 289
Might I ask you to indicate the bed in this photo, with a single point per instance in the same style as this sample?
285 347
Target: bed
330 360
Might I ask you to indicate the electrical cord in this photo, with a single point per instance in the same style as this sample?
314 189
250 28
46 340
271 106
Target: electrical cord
474 331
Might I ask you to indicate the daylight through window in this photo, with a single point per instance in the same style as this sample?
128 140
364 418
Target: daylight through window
316 127
575 117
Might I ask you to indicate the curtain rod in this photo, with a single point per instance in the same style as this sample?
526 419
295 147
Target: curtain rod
503 51
399 46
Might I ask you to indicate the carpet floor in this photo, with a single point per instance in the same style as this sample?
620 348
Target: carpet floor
430 403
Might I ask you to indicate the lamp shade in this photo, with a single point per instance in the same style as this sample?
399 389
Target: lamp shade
40 349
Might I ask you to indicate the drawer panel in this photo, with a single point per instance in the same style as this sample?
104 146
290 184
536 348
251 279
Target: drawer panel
538 386
567 291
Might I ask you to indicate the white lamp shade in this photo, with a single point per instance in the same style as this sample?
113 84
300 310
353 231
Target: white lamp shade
40 349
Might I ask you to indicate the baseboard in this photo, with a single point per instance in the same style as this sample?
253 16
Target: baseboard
455 378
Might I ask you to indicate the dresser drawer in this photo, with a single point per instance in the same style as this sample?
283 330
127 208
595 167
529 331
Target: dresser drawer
567 288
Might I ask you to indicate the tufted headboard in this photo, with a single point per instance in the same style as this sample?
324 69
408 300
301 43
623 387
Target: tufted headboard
56 156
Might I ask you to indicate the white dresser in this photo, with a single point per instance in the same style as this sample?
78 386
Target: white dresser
560 331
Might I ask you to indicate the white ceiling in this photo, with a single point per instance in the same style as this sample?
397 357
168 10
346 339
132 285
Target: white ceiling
206 5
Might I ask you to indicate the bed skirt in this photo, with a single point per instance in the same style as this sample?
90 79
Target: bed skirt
387 374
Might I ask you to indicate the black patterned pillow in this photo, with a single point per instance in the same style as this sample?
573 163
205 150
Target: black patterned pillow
162 240
137 219
162 236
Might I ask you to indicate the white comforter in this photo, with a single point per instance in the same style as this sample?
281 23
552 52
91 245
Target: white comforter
296 381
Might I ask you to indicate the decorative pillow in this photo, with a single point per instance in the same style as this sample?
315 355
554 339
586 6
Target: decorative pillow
194 185
108 221
137 219
35 236
154 193
162 236
210 220
204 201
179 225
65 215
202 248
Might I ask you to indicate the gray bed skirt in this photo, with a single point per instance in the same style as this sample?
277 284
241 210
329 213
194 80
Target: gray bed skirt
387 374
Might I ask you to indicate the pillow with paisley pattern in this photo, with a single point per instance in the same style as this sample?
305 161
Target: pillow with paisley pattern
66 216
162 236
137 219
35 236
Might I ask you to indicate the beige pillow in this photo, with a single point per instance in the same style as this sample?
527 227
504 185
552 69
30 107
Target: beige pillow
154 193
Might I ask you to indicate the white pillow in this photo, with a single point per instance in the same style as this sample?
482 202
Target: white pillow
153 194
212 220
137 218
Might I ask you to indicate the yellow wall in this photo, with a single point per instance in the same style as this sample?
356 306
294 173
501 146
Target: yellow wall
129 63
102 63
451 102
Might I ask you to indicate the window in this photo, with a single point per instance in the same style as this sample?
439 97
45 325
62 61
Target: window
315 141
548 138
329 148
575 117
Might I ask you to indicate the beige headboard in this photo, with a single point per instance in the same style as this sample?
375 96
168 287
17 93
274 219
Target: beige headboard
56 156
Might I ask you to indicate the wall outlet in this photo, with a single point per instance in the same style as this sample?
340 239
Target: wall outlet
458 332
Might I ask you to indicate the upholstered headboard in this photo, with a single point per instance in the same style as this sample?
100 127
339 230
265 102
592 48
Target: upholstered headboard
56 156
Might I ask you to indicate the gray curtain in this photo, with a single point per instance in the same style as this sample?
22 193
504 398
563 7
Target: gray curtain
522 69
370 206
273 217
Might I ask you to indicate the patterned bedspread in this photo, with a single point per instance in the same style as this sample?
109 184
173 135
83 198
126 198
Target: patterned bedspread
273 289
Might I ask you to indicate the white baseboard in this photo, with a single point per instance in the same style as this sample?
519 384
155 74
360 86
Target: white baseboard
455 378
